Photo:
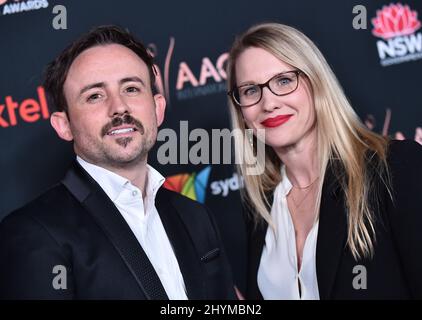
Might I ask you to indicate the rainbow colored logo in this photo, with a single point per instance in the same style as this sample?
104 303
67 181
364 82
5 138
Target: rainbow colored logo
191 185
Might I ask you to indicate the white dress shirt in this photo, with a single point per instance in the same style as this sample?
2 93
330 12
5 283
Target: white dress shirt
144 221
278 274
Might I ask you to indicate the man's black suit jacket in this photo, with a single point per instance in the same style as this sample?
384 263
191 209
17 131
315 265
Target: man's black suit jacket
395 271
76 226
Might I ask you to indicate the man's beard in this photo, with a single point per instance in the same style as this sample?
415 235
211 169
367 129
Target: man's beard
140 154
146 143
102 155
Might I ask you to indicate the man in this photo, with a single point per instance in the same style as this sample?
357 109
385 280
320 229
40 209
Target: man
109 230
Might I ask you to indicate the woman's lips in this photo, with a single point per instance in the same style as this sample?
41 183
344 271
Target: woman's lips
276 121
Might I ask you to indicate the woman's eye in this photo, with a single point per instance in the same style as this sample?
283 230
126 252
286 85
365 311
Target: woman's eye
249 91
282 81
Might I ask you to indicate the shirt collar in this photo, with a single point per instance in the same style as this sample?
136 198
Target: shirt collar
114 184
285 185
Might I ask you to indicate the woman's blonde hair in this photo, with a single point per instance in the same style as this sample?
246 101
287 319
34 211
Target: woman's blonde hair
342 138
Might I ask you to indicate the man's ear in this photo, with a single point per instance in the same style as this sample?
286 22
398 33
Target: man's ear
60 123
160 108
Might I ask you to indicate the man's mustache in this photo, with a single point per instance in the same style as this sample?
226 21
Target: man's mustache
121 120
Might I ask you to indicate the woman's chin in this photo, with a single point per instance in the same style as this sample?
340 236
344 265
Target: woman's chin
277 143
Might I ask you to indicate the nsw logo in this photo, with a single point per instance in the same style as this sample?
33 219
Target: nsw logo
396 25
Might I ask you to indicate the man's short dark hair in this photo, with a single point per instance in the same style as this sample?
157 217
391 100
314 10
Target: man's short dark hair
57 70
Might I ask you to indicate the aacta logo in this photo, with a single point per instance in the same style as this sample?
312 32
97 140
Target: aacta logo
17 6
209 80
29 110
192 185
397 24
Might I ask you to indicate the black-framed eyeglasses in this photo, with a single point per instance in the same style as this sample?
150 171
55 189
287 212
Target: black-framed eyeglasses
281 84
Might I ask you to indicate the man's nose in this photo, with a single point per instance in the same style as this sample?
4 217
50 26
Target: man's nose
118 105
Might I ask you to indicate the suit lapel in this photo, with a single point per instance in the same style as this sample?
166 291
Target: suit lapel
107 216
182 244
332 233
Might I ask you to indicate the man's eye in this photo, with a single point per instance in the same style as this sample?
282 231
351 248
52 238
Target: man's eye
132 89
94 97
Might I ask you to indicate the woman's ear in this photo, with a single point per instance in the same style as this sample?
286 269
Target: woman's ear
60 122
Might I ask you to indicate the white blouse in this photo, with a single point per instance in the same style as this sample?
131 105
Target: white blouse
278 275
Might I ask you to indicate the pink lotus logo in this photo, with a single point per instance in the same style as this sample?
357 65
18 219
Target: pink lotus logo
395 20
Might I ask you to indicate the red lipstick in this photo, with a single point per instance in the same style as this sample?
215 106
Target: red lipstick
276 121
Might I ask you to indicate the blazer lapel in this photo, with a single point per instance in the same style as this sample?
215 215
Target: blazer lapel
256 241
107 216
332 233
182 244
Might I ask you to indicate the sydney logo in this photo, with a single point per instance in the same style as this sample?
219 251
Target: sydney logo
193 185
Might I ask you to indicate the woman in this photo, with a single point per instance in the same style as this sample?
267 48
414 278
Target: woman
336 212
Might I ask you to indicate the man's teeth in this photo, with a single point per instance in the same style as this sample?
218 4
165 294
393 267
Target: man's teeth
121 131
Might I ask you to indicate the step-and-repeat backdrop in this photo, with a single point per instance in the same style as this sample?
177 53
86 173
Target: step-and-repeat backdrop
374 47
